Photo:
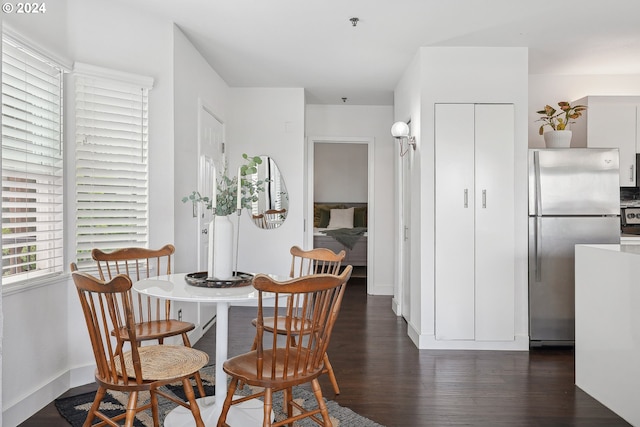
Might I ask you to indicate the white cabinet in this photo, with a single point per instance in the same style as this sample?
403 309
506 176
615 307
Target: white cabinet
611 122
474 216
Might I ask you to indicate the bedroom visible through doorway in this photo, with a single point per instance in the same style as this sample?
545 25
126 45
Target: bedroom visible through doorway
340 203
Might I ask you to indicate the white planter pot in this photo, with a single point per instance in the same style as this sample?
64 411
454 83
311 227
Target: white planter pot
557 139
220 257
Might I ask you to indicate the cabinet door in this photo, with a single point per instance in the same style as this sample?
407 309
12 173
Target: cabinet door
454 217
494 231
614 126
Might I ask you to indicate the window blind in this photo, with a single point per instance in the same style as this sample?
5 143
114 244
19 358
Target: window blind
32 164
111 165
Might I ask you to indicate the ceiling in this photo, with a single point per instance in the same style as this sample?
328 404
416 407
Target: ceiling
313 44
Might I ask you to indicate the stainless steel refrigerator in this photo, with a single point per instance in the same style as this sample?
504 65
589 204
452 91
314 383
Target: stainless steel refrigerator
574 198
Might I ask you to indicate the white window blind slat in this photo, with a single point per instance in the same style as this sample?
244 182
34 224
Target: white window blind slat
111 165
32 165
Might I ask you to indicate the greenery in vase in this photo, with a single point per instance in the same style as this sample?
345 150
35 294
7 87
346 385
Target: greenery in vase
227 189
558 120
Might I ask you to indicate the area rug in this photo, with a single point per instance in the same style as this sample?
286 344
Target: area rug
74 409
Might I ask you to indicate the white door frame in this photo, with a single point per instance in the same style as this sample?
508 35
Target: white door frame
206 162
308 235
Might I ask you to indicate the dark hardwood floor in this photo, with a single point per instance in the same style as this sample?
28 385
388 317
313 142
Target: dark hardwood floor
384 377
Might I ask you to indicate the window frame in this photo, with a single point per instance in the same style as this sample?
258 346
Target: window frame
61 65
116 78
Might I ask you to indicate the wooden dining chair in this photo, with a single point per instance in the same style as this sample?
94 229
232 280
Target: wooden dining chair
259 220
310 306
152 316
122 365
304 263
273 218
315 261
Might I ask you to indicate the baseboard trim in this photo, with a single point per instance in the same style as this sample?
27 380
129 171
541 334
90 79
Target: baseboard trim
24 407
519 343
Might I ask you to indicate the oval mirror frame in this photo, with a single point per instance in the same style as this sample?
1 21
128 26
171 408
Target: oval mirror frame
270 209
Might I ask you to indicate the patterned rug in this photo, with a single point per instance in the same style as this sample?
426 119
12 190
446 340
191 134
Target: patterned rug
74 409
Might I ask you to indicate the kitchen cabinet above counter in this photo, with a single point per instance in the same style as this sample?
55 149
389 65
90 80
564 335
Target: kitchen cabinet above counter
611 122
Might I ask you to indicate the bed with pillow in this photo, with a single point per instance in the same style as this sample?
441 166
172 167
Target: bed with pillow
339 226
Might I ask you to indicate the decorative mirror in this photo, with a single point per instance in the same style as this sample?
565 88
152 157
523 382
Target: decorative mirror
272 206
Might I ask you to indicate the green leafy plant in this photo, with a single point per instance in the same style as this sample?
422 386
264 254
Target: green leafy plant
558 120
227 189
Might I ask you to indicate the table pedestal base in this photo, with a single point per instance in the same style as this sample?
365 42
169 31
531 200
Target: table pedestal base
249 413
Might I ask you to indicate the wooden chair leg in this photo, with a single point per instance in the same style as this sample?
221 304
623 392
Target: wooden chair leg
315 385
222 421
199 385
131 409
288 409
268 406
193 405
332 377
154 408
94 407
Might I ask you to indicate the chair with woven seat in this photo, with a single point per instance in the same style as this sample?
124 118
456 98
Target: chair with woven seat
309 314
152 316
124 366
304 263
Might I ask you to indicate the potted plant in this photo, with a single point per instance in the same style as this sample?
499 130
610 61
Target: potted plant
559 136
227 189
221 228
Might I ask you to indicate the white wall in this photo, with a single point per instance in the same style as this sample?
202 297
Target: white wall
549 89
375 122
47 30
195 84
269 121
407 108
340 173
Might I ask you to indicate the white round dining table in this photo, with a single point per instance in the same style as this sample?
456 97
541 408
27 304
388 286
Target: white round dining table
174 287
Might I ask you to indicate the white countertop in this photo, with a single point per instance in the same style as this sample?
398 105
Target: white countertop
622 248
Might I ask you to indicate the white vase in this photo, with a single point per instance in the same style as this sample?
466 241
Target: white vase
557 139
220 265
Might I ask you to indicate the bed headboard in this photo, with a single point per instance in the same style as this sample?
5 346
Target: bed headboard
322 211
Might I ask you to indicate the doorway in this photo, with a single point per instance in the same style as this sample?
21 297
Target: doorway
210 165
342 173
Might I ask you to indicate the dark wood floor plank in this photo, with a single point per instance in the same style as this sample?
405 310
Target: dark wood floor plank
384 377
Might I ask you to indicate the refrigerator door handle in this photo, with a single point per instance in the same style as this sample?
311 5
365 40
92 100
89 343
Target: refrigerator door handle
538 189
537 248
466 198
631 174
484 199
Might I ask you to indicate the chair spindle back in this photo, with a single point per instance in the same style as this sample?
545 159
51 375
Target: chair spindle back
108 305
138 264
311 308
315 261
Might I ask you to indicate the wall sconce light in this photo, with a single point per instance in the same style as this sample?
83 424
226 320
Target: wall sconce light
400 131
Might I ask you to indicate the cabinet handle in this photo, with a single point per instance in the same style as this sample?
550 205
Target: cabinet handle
484 199
466 198
631 173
